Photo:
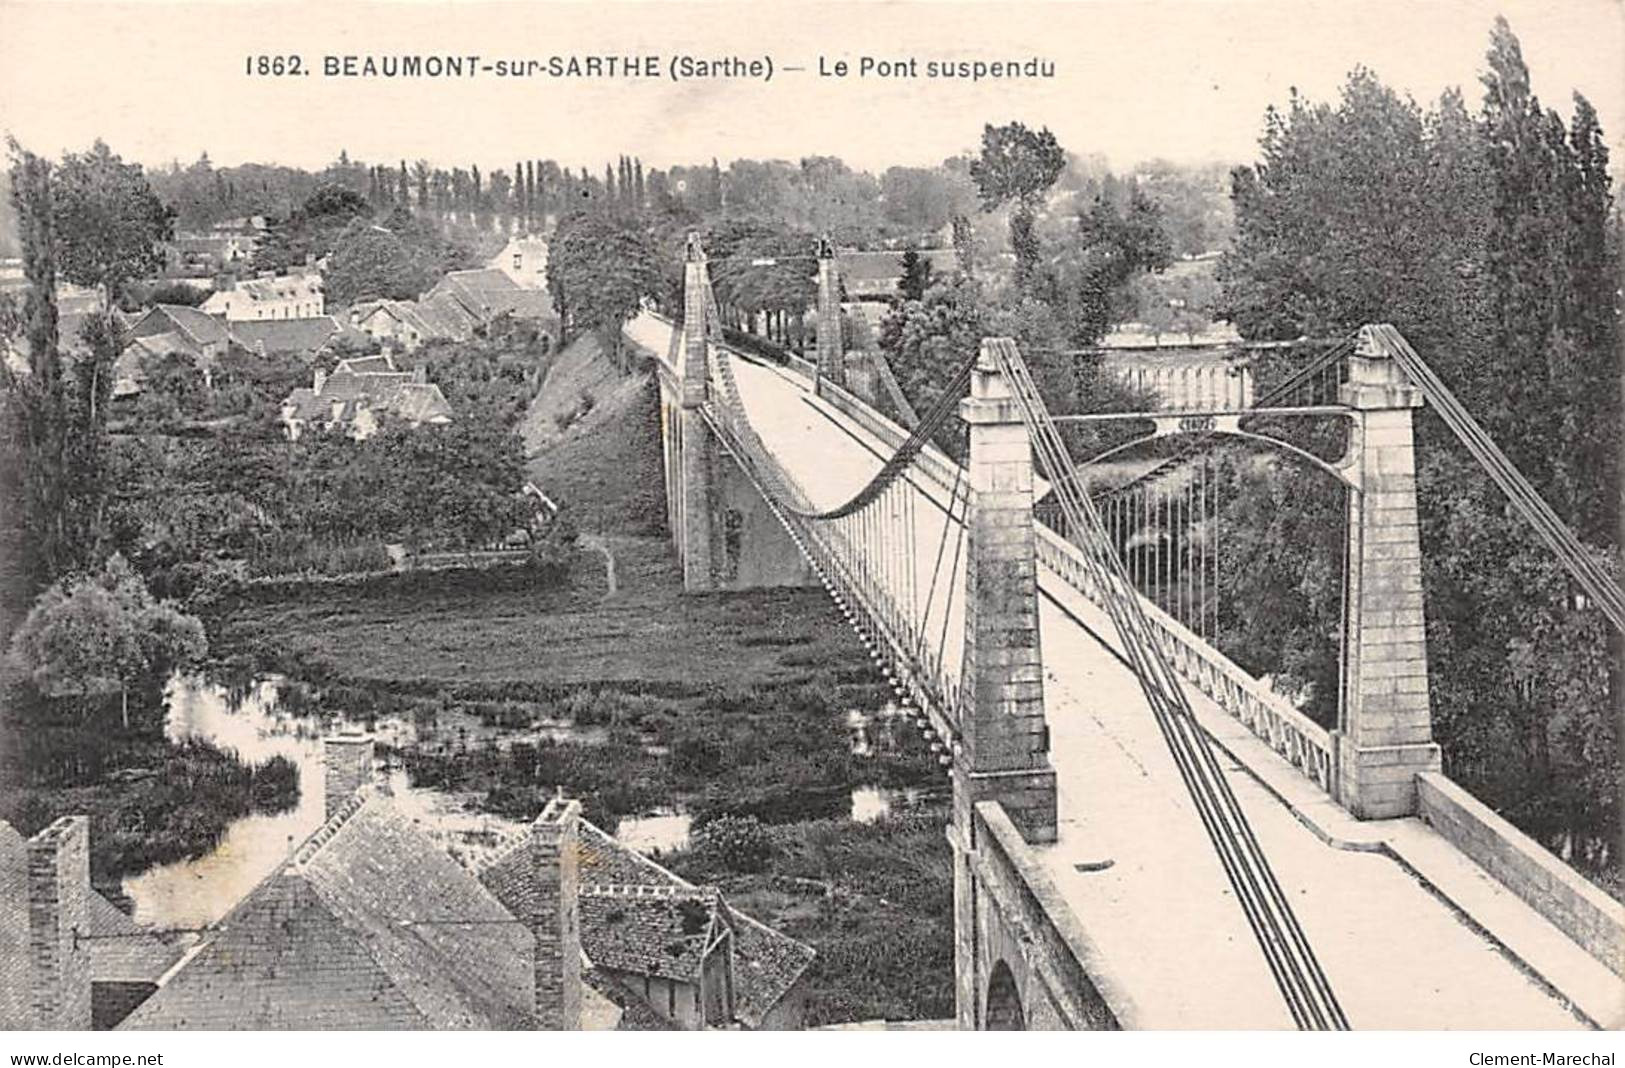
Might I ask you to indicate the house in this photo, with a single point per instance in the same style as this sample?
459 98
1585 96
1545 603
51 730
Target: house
69 959
680 949
357 395
303 337
874 275
163 329
405 325
523 259
223 246
452 310
488 292
291 296
370 925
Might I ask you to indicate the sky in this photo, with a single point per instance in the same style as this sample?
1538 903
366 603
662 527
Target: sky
1186 80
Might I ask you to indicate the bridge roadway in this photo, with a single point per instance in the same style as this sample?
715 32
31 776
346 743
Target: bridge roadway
1163 914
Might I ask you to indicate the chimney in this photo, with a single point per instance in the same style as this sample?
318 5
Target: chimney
555 919
348 767
319 381
58 920
420 376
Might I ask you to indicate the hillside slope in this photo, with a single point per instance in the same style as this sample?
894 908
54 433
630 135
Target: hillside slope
592 436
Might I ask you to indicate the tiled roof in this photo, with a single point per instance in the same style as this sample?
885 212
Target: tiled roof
526 304
366 364
767 963
651 930
305 404
201 327
123 951
280 288
483 293
303 336
376 386
369 925
445 315
419 402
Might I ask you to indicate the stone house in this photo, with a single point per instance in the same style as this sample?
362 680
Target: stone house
523 259
358 393
163 329
291 296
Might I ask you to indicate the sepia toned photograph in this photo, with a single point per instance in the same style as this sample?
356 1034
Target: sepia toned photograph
850 517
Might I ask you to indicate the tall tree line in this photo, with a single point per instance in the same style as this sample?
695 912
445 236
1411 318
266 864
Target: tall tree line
1491 241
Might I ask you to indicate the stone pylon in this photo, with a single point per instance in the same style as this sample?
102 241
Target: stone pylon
831 347
1385 727
693 435
1002 753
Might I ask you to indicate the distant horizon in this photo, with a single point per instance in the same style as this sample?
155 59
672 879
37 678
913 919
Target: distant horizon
1136 80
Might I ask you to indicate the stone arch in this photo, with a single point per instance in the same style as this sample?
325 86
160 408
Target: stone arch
1004 1011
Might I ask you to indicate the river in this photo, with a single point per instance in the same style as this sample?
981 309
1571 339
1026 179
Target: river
193 893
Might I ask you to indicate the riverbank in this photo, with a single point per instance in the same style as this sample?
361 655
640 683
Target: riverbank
151 800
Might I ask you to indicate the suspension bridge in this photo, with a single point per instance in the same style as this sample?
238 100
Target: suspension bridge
1144 836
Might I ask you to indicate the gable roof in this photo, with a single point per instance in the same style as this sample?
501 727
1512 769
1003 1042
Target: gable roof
303 336
419 402
483 292
767 963
368 925
651 930
200 327
123 951
366 364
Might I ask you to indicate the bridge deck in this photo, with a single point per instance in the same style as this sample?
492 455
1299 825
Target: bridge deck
1163 913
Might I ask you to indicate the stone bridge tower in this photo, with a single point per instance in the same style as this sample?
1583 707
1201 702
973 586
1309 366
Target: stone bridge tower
1002 753
831 346
1385 731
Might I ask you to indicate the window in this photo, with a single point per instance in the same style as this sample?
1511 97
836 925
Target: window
518 261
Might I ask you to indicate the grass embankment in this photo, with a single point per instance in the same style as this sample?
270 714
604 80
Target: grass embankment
592 438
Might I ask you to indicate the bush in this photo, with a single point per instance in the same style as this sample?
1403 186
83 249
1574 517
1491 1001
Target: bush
737 843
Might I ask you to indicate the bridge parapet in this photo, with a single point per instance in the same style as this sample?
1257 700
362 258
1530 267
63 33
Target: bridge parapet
1299 740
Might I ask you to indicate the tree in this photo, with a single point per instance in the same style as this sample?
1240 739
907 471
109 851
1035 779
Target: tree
916 277
1088 274
600 269
313 229
56 413
372 263
91 635
109 223
1016 167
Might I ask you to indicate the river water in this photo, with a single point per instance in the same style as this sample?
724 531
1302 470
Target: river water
193 893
